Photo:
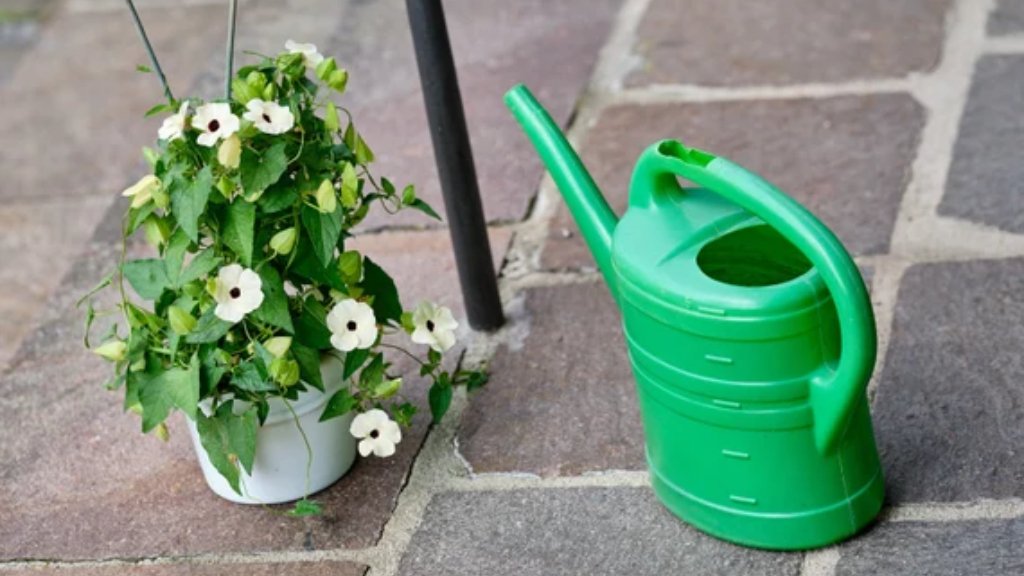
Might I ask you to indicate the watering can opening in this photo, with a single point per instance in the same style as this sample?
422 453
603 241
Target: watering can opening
754 256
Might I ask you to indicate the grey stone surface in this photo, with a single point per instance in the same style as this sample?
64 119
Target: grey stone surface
948 410
986 177
561 399
552 46
320 568
736 42
593 531
847 159
978 548
1007 18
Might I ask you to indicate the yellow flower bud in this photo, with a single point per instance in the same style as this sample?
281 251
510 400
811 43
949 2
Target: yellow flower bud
278 345
285 372
181 321
142 191
230 152
113 350
326 199
283 241
387 388
161 432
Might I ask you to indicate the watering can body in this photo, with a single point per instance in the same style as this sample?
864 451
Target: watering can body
751 339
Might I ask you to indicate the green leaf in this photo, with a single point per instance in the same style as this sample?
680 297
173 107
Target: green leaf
250 378
165 107
278 197
403 414
331 123
350 266
386 304
309 365
172 388
145 70
229 440
341 403
419 204
200 266
373 374
440 398
188 203
174 255
274 309
354 360
136 216
209 329
311 326
349 186
305 508
148 277
260 172
307 265
476 379
324 230
238 229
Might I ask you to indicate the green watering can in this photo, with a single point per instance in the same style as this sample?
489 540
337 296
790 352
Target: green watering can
751 337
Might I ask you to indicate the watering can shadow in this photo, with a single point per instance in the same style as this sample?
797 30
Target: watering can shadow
751 338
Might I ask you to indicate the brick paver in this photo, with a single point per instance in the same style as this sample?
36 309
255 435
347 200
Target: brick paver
979 548
328 568
596 531
562 399
949 423
986 177
1007 18
733 42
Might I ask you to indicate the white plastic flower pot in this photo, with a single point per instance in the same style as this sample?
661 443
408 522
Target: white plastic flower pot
279 468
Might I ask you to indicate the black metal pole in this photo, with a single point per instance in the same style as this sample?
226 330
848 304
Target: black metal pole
454 159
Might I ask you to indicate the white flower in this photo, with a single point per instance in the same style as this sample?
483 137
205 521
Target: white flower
309 53
269 117
377 433
214 121
142 191
352 325
174 125
239 291
435 326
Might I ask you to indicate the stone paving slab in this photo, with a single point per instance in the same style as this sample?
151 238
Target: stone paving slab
776 42
947 411
319 568
561 400
986 178
594 531
978 548
1007 18
847 159
552 46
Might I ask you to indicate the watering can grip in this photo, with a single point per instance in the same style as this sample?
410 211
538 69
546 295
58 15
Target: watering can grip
833 394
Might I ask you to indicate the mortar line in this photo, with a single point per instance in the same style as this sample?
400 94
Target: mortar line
887 276
694 93
821 562
1012 44
944 96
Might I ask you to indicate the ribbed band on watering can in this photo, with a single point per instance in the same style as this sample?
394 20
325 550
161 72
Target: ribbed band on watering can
751 338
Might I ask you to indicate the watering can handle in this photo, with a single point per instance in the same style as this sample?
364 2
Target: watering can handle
834 394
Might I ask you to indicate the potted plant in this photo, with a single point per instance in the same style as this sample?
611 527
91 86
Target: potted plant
253 318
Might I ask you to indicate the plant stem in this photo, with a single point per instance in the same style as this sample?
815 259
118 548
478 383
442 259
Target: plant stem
305 440
230 56
149 50
403 351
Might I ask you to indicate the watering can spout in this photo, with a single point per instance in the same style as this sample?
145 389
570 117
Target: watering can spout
588 207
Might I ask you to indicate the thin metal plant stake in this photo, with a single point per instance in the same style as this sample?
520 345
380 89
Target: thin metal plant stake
149 50
230 56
